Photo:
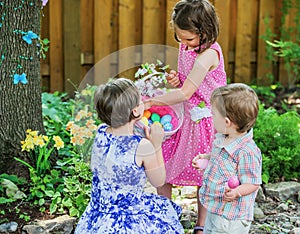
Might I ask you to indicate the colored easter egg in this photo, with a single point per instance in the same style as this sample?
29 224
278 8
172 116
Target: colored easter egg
233 182
157 123
144 120
150 121
147 114
168 126
155 117
165 119
202 163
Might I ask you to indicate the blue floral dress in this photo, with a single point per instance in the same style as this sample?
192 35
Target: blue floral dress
118 202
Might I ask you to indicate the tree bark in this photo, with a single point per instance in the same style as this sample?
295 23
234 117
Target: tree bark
20 104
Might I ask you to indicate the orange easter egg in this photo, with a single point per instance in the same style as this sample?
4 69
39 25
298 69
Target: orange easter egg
147 114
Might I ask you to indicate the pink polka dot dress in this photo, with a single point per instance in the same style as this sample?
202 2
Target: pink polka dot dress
193 137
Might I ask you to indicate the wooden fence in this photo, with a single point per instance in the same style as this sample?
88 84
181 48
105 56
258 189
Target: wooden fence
84 32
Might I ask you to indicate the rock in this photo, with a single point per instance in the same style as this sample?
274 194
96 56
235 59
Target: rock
189 192
258 213
61 225
283 190
186 222
295 231
8 227
283 207
260 197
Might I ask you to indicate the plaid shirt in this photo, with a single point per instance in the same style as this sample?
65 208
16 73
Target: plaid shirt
240 158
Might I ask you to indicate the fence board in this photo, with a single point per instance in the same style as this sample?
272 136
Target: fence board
243 42
284 77
45 79
71 35
56 46
266 22
153 29
103 36
87 32
223 12
170 41
128 36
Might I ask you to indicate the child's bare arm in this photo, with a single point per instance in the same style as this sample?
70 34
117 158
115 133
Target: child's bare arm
241 190
149 153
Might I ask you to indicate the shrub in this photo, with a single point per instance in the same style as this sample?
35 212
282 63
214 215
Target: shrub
278 138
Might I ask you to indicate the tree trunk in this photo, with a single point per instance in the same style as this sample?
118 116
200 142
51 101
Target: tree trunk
20 104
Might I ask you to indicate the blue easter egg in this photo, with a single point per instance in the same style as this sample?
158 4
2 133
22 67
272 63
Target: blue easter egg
165 119
168 126
150 121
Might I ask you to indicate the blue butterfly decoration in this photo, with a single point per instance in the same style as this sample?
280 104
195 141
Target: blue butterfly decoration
29 36
20 78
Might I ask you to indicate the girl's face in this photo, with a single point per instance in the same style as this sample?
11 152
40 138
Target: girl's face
190 39
219 121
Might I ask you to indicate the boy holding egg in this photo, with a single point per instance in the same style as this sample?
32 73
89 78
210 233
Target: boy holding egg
233 173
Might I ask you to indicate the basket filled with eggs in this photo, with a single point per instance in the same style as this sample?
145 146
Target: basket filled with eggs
169 117
151 80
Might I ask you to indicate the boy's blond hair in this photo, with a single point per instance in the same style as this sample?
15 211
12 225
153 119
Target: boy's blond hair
239 103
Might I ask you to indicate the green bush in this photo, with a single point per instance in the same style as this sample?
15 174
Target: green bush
278 138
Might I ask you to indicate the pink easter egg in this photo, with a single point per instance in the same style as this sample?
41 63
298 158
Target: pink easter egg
202 163
233 182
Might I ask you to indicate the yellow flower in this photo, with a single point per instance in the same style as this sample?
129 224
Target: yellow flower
86 92
39 141
33 133
46 138
28 145
80 115
58 142
70 125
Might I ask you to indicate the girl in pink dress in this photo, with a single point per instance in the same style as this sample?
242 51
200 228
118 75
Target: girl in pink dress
200 71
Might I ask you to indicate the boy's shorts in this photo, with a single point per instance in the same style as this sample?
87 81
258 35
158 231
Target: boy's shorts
216 224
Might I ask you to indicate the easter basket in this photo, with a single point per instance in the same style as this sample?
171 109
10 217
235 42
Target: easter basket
151 80
170 118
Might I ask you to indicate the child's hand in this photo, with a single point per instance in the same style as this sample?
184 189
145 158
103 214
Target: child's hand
173 79
199 156
156 134
231 194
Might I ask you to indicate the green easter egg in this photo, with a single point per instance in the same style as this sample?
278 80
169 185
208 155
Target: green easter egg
155 117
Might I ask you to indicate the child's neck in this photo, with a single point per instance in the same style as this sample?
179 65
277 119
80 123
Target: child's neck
124 130
230 137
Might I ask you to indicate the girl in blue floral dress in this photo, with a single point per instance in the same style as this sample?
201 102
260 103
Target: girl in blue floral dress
121 162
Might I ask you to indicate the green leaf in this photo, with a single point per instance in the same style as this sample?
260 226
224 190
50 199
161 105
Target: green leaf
39 194
53 208
67 202
49 193
73 212
45 41
202 104
265 178
41 202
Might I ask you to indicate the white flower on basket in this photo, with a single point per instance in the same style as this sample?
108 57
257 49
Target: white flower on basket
199 112
151 81
150 77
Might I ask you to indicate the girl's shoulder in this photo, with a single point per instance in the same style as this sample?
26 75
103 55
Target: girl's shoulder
102 127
